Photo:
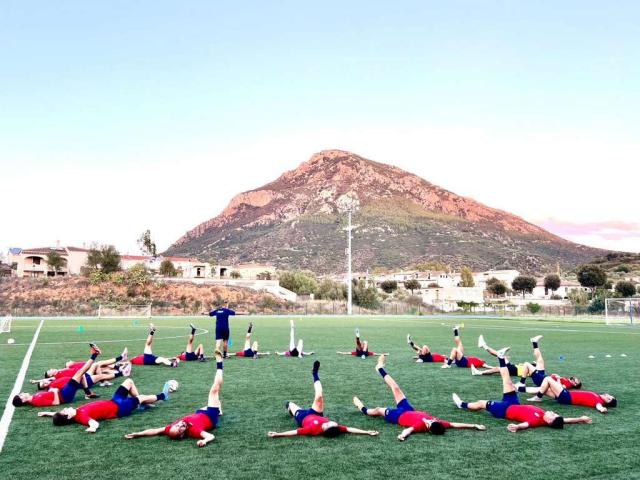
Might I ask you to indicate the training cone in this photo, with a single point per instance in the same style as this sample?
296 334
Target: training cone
80 329
136 322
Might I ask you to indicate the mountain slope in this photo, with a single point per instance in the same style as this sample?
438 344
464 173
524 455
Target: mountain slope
297 220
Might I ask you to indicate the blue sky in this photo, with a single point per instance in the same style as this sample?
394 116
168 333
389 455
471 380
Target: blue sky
184 105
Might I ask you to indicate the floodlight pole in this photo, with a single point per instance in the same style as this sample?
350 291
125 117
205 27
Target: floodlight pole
349 280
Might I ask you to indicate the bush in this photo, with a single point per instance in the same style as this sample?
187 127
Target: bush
97 277
389 286
366 297
623 269
235 274
596 306
330 290
533 307
625 289
138 275
167 268
302 283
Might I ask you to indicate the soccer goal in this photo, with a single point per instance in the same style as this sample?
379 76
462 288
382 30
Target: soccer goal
622 311
124 311
5 324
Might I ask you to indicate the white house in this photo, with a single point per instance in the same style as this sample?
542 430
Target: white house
447 298
190 267
32 262
507 276
566 287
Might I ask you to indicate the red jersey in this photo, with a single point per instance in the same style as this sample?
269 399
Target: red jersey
67 372
437 358
585 398
312 425
59 382
566 383
76 365
416 419
43 399
531 414
476 362
198 423
100 410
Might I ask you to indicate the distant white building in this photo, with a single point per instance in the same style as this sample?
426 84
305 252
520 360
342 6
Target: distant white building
447 298
32 262
506 276
566 287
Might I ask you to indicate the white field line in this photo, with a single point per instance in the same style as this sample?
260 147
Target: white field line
203 332
5 421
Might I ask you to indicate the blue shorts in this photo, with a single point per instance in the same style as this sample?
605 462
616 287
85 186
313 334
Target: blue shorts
426 358
301 414
149 359
68 392
462 363
392 415
89 380
126 404
213 413
565 397
190 356
499 409
222 334
537 377
249 353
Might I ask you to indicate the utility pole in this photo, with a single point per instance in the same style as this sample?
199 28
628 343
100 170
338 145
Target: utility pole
349 229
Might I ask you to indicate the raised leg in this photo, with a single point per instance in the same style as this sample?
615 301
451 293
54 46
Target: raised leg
149 342
318 397
537 353
292 337
218 380
247 341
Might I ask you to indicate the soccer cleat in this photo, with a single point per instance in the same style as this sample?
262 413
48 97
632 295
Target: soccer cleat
535 398
445 365
166 389
481 343
502 352
357 332
105 384
152 328
536 339
193 327
202 358
457 400
126 369
125 354
91 395
475 371
380 363
409 339
174 363
358 403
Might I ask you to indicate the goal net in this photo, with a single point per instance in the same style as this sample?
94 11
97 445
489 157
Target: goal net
5 324
124 311
622 311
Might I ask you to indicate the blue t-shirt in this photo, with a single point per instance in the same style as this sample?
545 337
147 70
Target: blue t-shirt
222 317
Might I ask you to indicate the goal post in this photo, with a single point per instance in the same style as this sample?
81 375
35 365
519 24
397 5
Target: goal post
5 324
124 311
622 311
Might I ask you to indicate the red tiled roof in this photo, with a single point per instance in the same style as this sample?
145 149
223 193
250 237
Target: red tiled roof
144 258
43 251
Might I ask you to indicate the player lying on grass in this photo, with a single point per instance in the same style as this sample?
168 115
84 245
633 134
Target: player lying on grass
405 415
425 355
87 381
189 355
294 350
362 348
555 389
525 416
195 425
515 370
124 402
72 367
58 396
457 354
537 372
148 358
250 350
311 421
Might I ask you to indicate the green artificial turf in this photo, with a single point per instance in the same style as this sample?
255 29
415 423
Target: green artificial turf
255 391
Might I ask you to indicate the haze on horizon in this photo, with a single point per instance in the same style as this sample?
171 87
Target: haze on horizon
118 117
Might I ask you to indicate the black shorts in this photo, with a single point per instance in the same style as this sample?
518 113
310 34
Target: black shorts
222 334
